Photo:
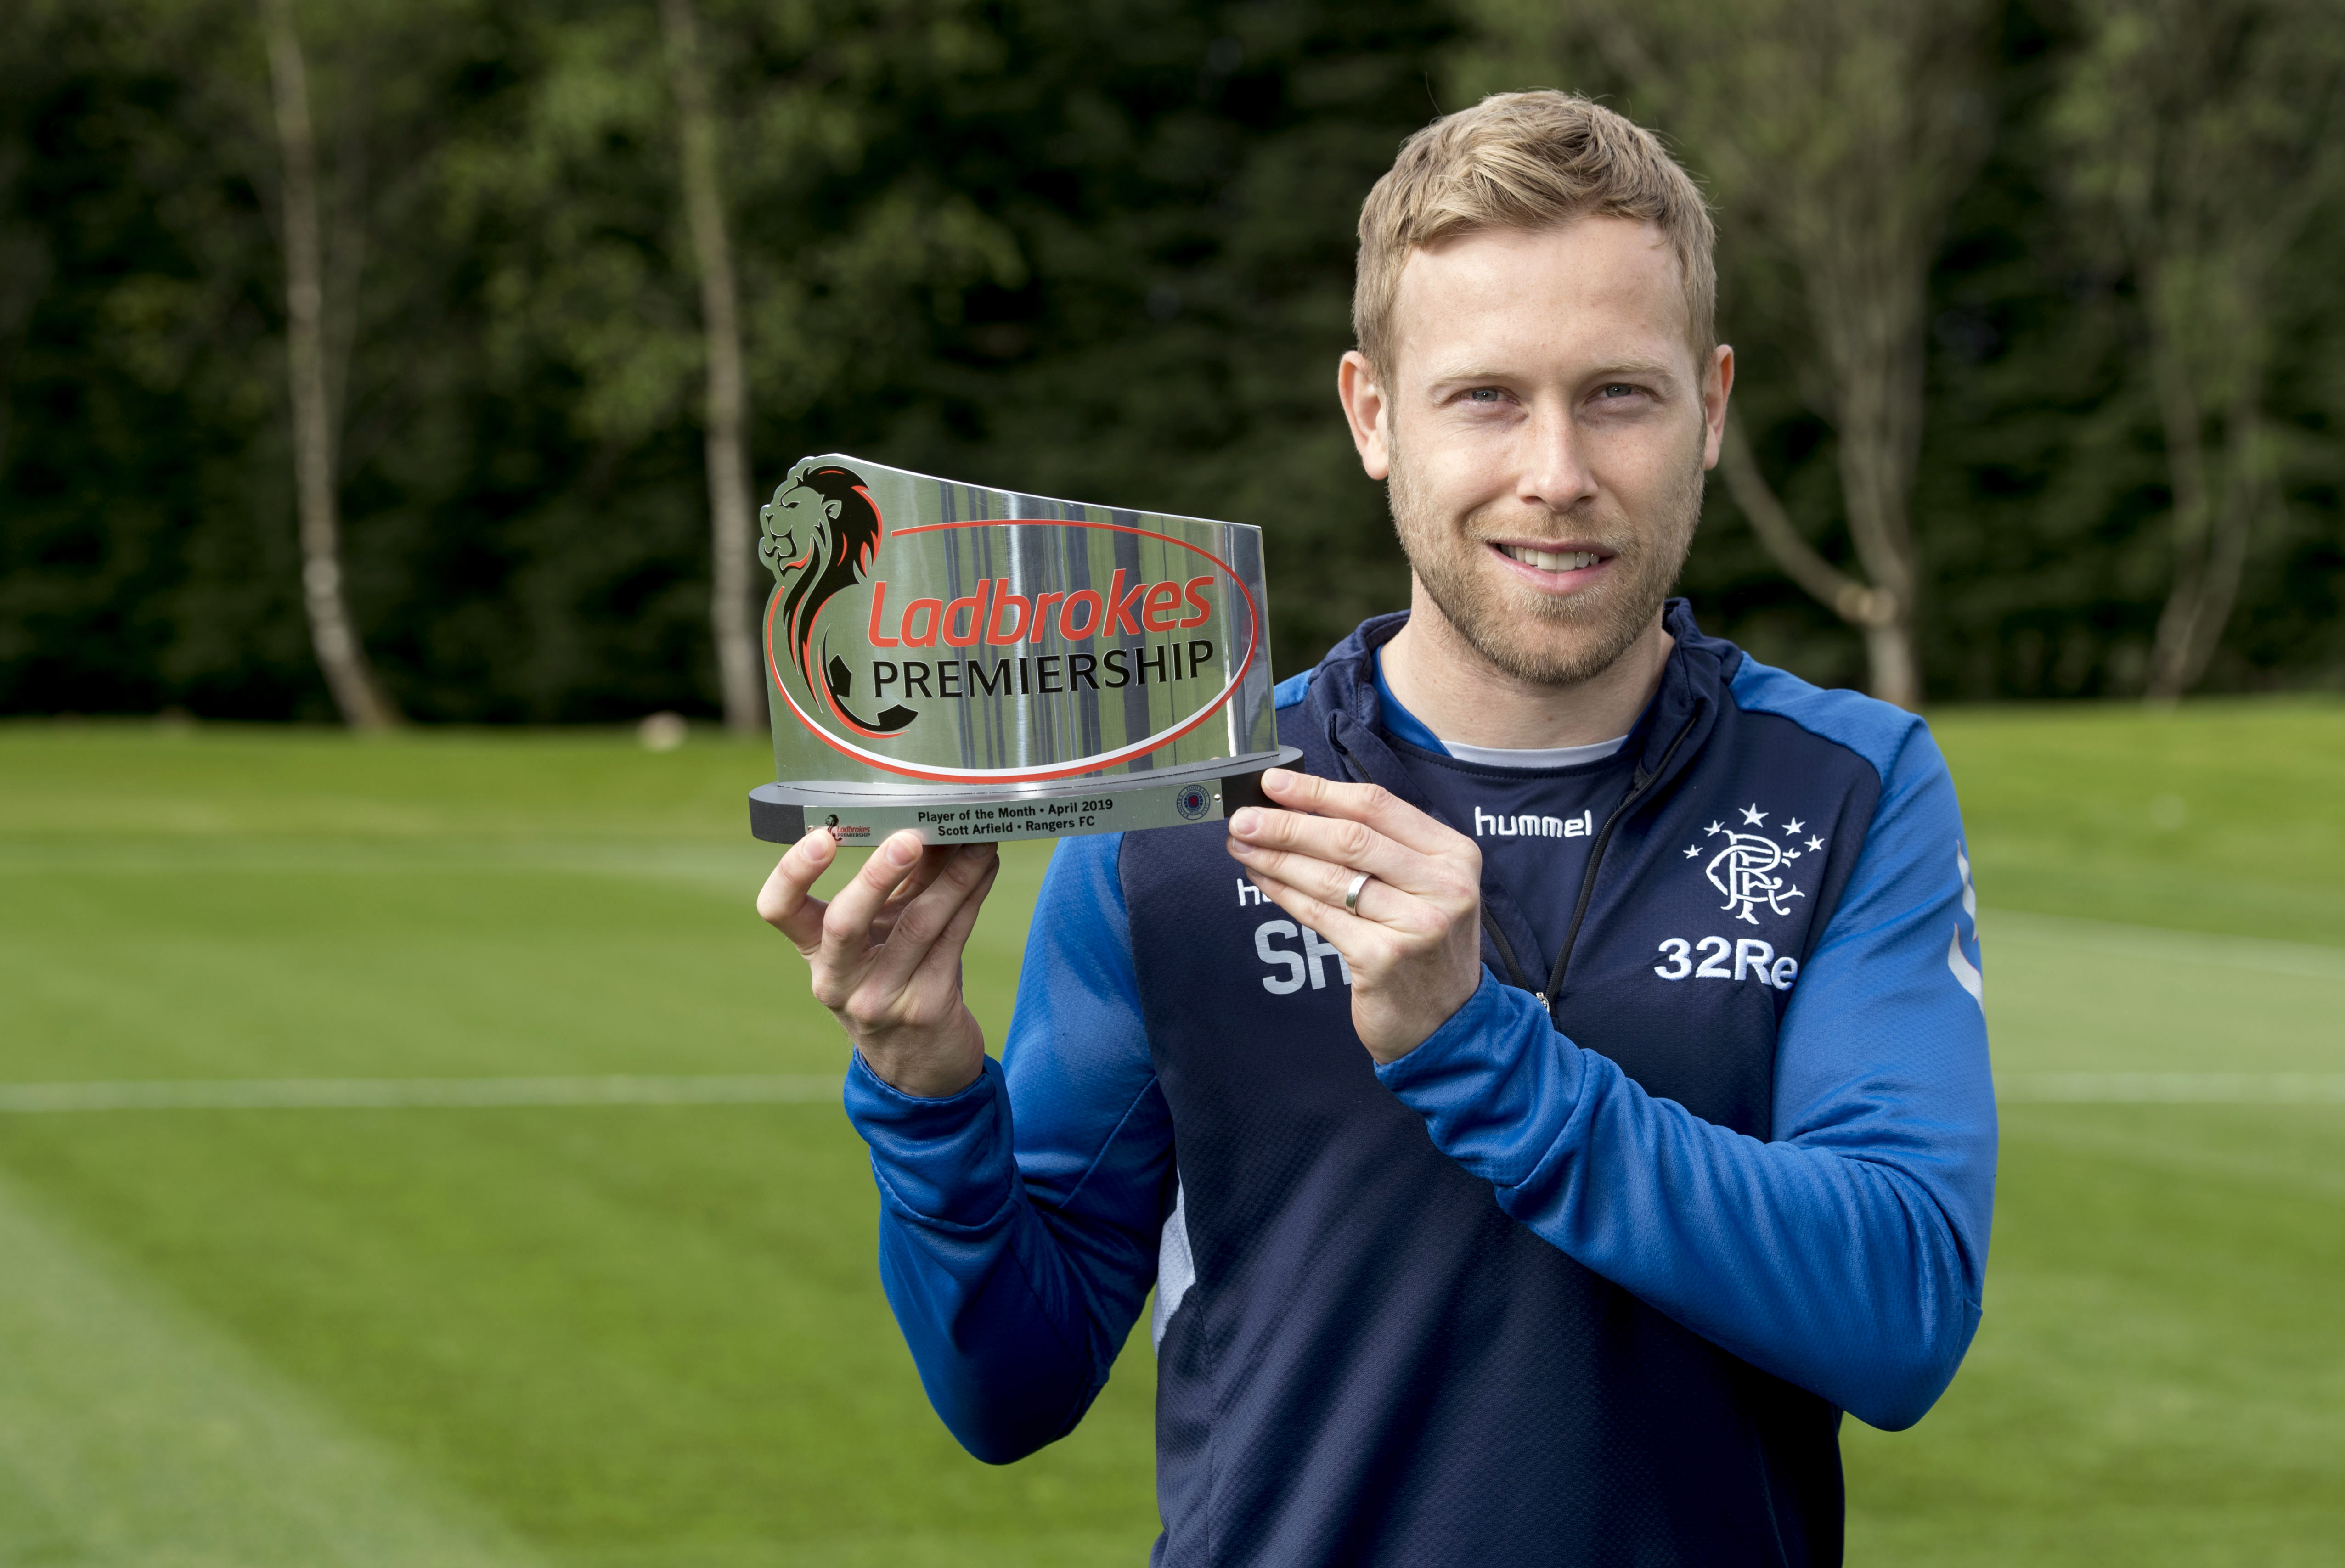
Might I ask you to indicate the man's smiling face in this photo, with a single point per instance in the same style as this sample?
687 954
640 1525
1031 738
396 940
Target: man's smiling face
1544 425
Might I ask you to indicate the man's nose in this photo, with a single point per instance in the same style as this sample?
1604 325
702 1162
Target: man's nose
1555 472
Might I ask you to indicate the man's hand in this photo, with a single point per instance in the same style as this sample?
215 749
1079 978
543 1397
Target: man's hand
886 953
1414 946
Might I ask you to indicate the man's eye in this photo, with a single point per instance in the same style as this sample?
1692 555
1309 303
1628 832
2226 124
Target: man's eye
1484 394
1620 390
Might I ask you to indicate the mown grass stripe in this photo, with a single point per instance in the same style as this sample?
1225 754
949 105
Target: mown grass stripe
399 1093
136 1434
808 1089
2165 944
2171 1089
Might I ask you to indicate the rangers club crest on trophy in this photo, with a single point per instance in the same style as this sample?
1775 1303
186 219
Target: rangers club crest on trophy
982 664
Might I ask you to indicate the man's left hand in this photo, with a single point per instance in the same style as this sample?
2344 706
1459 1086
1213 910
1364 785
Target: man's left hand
1415 941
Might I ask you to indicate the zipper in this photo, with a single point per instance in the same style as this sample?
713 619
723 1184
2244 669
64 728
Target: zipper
1506 950
1637 787
1514 974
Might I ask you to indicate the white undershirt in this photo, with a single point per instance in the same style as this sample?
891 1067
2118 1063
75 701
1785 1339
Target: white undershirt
1537 757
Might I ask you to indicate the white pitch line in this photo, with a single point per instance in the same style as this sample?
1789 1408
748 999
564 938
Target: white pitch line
398 1094
2171 1089
2161 943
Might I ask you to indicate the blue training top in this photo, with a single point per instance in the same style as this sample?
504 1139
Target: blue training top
1579 1279
1535 826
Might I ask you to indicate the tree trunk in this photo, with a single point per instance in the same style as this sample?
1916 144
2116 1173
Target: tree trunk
731 620
1847 598
1838 132
341 655
24 273
1876 480
2210 540
1895 677
1864 272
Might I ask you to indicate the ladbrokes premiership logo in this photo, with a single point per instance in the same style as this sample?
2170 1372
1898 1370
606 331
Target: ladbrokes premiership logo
945 634
1754 869
970 662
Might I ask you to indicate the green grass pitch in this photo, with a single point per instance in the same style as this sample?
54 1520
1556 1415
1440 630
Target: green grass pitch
623 1335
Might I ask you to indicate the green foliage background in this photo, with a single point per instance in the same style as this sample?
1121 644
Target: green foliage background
1088 248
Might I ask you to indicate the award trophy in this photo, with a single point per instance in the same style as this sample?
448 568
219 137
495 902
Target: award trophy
979 664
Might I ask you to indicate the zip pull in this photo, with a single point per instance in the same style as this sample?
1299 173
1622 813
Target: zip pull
1542 997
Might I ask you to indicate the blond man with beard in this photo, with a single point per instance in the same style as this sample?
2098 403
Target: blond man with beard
1572 1095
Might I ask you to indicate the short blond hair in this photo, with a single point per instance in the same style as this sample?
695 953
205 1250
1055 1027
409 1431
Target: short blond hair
1528 161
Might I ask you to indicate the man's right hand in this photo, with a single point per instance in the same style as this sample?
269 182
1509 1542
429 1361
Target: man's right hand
886 952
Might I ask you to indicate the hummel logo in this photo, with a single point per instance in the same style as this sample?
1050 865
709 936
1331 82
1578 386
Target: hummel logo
1525 826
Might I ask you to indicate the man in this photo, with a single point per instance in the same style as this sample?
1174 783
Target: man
1672 1136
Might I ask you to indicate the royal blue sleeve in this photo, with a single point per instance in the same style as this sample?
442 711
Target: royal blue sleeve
1019 1218
1847 1253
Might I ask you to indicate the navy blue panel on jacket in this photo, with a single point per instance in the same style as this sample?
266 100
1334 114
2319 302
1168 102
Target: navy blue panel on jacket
1589 1276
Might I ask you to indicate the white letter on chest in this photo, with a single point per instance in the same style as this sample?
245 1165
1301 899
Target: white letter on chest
1262 934
1318 949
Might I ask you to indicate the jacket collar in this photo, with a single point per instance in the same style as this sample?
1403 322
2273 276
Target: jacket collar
1345 707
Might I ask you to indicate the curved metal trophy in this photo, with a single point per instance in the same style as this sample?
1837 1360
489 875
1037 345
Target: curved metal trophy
979 664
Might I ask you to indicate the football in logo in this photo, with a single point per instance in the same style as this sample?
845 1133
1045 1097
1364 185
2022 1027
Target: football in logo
1192 803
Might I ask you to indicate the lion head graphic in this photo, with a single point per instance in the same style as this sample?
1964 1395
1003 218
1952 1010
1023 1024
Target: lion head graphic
820 535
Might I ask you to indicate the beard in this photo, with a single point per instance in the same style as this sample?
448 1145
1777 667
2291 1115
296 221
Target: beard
1545 639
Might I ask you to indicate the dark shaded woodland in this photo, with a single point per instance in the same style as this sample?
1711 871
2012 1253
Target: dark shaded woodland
1099 248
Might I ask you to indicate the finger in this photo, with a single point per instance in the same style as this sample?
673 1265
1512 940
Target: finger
783 902
1385 902
937 979
1310 850
934 858
925 871
1349 933
846 928
1373 804
924 922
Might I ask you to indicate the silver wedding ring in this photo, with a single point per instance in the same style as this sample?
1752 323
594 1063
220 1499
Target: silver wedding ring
1352 893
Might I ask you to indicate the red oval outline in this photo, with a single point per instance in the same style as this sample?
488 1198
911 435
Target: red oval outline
1085 766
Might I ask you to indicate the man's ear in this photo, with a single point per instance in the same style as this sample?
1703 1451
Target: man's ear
1366 410
1717 386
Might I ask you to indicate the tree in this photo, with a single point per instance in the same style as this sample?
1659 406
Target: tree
1184 183
24 260
727 410
1083 247
774 309
1834 135
2199 137
341 656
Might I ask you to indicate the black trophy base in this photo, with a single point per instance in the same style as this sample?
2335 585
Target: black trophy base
951 813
